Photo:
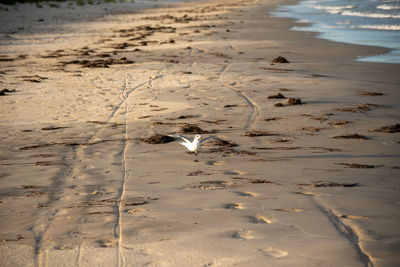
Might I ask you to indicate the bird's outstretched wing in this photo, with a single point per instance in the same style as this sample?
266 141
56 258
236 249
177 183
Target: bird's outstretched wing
208 138
184 138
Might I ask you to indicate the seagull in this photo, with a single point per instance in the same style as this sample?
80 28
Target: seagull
194 146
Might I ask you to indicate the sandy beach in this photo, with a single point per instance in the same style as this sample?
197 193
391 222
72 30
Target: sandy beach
303 169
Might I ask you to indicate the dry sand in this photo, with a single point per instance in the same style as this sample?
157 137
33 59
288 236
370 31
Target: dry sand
306 185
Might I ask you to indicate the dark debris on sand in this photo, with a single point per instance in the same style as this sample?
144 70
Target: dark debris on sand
273 119
158 139
33 78
369 93
280 60
212 185
254 180
339 123
6 59
359 166
361 107
138 201
196 173
256 133
223 143
191 128
231 106
389 129
320 184
294 101
277 96
5 91
333 184
226 147
52 128
184 117
352 136
291 102
99 63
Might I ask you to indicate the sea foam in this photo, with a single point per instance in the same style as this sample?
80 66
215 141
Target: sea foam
388 7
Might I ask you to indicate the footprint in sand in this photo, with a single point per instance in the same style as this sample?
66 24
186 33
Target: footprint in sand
269 251
354 217
243 172
243 234
246 194
235 172
289 210
106 243
237 206
259 219
231 173
63 247
135 210
216 163
310 194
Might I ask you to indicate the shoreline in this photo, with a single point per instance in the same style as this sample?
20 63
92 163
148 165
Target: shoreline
286 184
341 34
111 9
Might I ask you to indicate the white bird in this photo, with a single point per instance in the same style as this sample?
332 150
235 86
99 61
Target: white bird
194 145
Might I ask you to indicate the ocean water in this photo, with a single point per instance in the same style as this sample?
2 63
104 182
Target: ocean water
363 22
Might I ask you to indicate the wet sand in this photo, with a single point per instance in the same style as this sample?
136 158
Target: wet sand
303 170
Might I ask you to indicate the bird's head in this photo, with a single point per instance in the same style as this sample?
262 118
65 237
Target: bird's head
197 136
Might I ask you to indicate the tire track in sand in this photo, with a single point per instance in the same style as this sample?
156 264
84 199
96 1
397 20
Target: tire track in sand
126 174
349 234
255 113
346 231
254 109
154 90
124 96
40 258
128 92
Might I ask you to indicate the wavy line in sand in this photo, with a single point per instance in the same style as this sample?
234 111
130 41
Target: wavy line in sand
128 92
255 113
125 176
349 233
40 259
254 109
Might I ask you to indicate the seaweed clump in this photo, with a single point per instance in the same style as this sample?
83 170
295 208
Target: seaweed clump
280 60
223 143
389 129
158 139
294 101
352 136
291 102
256 133
277 96
5 91
191 128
